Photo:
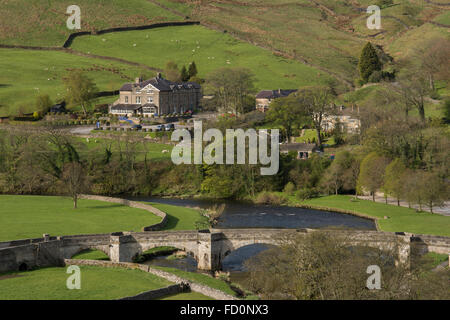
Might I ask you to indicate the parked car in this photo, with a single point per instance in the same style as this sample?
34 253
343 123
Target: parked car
137 127
170 126
159 127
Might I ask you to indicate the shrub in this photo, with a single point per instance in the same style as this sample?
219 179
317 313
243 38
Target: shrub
307 193
289 188
269 198
435 95
375 77
359 82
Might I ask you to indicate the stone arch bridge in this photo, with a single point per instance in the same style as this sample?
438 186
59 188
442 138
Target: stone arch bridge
209 247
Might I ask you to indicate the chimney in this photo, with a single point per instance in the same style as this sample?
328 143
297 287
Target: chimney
159 75
137 80
279 91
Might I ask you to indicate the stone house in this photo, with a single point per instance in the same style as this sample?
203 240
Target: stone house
265 97
156 96
347 118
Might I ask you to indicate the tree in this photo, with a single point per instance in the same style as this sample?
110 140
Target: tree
43 103
368 62
324 266
74 179
414 87
317 104
433 59
80 89
286 112
393 179
231 86
171 72
371 173
184 74
192 69
434 189
340 174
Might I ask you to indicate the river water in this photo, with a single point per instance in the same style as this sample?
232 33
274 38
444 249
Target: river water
239 214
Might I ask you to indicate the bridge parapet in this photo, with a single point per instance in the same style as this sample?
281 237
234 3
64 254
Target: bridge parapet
209 247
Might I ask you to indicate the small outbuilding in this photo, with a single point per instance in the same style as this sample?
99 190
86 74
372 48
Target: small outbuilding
303 150
59 108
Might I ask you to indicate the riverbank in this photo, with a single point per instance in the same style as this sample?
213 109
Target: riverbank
388 217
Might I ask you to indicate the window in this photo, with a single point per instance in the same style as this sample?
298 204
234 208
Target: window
150 99
138 100
126 99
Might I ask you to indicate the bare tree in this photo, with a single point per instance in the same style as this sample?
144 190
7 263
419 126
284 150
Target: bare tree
74 179
231 87
433 57
317 104
80 89
322 266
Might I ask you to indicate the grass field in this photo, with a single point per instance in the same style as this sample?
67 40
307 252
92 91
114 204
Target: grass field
153 151
28 73
401 219
91 254
24 217
46 20
96 283
209 49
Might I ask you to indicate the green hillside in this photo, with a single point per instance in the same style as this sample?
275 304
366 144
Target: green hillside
28 73
46 19
326 33
209 49
287 44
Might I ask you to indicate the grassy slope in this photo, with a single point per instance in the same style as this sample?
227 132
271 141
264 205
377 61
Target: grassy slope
400 218
209 49
26 74
200 278
30 216
187 296
46 20
96 283
98 145
319 31
180 218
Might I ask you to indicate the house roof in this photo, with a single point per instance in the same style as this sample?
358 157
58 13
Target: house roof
161 84
272 94
297 147
60 107
131 107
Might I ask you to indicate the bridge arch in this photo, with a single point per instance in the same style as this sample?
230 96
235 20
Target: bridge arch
69 252
87 248
235 259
